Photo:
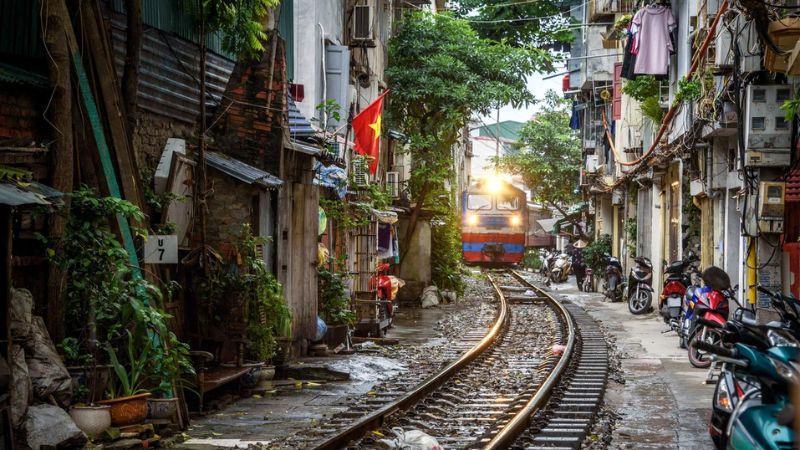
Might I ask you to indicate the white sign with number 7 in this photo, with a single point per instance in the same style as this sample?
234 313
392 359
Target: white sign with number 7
161 249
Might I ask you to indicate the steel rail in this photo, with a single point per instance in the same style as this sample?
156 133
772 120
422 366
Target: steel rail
521 421
376 419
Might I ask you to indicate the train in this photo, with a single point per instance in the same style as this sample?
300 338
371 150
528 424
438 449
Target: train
494 223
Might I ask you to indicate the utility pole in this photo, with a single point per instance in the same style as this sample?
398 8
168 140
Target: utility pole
497 142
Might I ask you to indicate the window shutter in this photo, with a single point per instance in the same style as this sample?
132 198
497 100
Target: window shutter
616 107
337 80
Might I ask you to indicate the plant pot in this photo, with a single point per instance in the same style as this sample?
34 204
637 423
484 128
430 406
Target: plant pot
336 335
283 351
161 408
267 373
82 376
127 410
91 419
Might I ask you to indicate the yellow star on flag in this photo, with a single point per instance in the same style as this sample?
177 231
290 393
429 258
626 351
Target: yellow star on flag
376 127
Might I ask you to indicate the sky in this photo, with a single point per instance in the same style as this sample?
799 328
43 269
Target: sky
538 86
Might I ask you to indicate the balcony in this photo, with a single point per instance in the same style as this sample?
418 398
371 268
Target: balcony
602 10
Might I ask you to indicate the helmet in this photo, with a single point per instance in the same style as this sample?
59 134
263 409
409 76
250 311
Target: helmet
716 278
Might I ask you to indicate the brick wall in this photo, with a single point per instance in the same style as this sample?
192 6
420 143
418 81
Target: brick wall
21 119
230 206
247 127
151 134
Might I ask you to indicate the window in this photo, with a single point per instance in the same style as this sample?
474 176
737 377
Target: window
781 123
508 202
479 201
758 123
759 95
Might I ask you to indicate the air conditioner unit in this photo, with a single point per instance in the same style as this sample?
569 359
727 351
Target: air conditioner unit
766 132
360 172
362 23
771 206
393 183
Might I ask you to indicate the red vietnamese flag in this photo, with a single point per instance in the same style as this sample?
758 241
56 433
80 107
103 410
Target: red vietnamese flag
367 128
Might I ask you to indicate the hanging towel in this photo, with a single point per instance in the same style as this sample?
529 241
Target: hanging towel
654 44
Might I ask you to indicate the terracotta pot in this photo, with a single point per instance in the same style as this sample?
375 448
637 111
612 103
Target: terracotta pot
161 408
91 419
127 410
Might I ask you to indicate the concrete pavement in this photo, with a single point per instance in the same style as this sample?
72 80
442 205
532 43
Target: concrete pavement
663 403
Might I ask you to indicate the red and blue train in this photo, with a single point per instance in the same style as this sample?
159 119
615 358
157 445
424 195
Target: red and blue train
494 223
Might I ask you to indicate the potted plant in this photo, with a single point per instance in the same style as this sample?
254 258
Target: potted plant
127 393
334 305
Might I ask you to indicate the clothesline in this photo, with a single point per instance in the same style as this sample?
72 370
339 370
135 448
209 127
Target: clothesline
666 121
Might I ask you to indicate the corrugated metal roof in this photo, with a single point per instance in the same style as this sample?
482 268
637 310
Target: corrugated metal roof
17 75
242 171
305 147
169 71
31 194
299 126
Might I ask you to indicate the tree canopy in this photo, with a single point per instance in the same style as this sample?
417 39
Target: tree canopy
240 22
519 23
549 158
441 73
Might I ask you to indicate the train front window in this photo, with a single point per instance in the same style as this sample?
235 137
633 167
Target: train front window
479 201
508 202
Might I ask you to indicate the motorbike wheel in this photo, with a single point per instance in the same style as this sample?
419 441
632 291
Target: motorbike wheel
611 292
639 303
699 358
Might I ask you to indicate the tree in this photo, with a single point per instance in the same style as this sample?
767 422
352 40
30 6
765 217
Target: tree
441 73
520 23
549 156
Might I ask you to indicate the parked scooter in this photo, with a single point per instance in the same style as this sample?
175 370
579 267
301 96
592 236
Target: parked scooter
711 303
673 304
560 271
735 381
640 286
588 281
613 279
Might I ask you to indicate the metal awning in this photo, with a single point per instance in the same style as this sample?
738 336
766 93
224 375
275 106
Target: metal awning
299 126
547 224
242 171
305 147
33 193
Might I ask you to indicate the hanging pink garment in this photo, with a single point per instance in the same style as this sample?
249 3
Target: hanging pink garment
654 24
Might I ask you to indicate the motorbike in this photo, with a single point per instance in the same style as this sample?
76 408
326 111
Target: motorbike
613 279
672 304
382 282
640 286
588 281
736 381
562 264
711 303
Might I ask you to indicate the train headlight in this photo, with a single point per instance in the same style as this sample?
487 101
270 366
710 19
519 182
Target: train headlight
472 220
515 221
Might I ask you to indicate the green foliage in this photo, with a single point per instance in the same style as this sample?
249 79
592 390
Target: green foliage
688 90
630 234
446 253
532 260
441 73
651 108
158 203
549 160
334 303
331 108
239 21
536 23
642 87
131 378
791 107
594 253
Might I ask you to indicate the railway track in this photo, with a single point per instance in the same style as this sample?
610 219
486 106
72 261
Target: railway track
534 380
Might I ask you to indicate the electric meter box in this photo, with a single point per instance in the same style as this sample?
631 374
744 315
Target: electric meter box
771 206
767 133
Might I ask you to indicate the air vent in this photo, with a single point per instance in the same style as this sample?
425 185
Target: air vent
362 23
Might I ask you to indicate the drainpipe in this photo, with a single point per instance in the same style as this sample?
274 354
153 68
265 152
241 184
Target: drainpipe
324 79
